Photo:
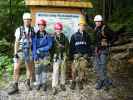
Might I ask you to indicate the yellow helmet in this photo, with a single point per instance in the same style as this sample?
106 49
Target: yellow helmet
82 20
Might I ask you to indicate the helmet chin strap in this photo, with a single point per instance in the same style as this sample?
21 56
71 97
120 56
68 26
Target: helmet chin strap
81 30
42 31
58 33
27 25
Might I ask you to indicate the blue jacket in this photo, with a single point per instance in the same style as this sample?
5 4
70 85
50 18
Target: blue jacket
41 45
80 44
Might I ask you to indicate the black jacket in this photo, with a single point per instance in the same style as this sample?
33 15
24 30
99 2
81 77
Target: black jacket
80 43
109 35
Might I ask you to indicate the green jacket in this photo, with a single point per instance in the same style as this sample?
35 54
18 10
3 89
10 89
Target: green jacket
61 45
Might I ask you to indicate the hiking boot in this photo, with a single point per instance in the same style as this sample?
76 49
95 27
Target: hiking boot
38 87
44 87
54 91
99 85
73 85
14 89
80 84
63 88
28 85
107 83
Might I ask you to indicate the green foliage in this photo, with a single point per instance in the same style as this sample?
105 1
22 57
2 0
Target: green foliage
122 18
5 47
10 14
121 13
6 65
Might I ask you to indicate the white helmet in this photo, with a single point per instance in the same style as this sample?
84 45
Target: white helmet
98 18
27 16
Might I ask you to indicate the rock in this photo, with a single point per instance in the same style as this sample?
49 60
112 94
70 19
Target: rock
121 48
88 92
130 60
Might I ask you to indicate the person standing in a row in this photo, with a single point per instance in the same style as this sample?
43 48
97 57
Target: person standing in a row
41 44
104 39
60 52
80 46
22 52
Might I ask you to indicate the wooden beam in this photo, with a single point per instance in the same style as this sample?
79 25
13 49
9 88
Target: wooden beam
59 3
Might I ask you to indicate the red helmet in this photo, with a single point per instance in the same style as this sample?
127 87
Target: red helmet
58 26
41 22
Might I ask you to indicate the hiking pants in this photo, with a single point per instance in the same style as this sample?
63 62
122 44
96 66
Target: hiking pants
41 71
59 72
101 64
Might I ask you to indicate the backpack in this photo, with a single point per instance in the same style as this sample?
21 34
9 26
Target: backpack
110 38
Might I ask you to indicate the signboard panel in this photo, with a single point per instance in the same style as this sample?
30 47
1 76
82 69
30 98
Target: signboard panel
69 21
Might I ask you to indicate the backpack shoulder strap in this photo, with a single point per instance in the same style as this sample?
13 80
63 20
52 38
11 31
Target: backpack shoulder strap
63 37
75 36
102 31
32 31
21 32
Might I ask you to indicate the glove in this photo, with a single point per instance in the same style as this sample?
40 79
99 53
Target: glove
36 61
16 56
97 51
61 46
35 58
38 51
